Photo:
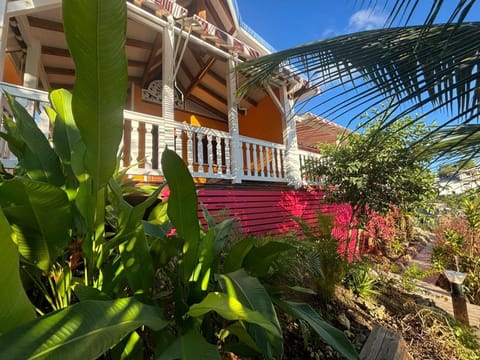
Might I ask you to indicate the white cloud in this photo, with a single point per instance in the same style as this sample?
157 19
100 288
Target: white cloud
366 20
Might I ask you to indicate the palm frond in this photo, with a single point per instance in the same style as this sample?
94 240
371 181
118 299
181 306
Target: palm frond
459 142
440 71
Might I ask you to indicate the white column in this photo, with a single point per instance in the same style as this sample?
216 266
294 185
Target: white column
3 34
166 134
292 161
31 75
236 157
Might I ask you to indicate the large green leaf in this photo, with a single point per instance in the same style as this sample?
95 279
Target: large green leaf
237 253
259 259
131 240
65 131
82 331
231 309
249 291
15 308
191 346
182 208
329 334
38 159
95 32
40 216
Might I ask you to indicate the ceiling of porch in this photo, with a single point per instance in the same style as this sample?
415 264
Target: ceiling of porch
201 77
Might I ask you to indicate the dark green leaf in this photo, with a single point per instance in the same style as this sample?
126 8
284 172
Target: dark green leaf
259 259
39 160
83 331
191 346
329 334
96 33
40 216
236 255
230 308
250 292
182 208
15 308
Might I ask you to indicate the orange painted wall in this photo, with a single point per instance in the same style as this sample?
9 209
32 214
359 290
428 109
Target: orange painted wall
181 116
262 122
10 73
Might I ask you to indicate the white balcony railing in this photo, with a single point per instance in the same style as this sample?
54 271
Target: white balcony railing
206 152
262 160
308 162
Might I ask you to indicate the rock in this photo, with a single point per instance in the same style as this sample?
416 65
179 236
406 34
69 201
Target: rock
343 320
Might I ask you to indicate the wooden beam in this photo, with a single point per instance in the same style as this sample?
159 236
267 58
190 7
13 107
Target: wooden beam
58 27
212 94
69 86
200 76
208 107
50 50
59 71
155 55
24 7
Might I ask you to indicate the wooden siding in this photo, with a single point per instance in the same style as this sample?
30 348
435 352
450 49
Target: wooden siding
265 211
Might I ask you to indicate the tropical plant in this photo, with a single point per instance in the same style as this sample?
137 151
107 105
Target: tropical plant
416 69
375 171
110 281
360 279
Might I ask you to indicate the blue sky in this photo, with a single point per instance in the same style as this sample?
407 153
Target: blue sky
284 24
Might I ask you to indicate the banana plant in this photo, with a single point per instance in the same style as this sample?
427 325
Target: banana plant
110 298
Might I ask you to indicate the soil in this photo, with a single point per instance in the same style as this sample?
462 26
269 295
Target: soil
421 323
356 316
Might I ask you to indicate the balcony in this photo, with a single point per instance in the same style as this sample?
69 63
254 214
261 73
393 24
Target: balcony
208 153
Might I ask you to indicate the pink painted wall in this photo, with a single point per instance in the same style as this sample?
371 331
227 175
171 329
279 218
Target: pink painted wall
262 211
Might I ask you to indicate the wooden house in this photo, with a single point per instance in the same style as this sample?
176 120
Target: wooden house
246 154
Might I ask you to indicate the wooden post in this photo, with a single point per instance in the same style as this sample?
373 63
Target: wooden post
236 156
292 161
459 303
166 135
3 34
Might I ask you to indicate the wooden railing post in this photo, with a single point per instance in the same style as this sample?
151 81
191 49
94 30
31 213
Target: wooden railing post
236 156
292 162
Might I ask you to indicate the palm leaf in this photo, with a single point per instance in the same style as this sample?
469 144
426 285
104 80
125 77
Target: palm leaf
408 67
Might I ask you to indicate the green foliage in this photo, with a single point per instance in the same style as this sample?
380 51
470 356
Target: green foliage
451 169
15 308
378 169
328 333
360 280
316 259
40 216
88 251
98 109
412 274
84 330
